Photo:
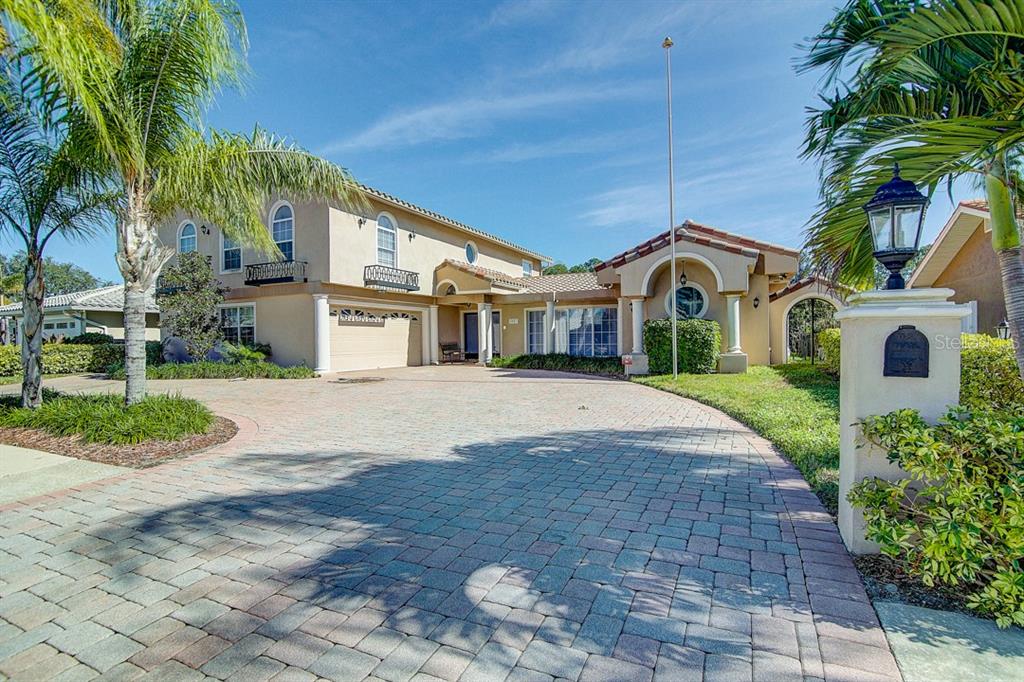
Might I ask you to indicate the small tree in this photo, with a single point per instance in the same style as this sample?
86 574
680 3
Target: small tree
188 298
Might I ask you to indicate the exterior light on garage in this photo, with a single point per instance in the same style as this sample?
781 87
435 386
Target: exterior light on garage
895 216
1003 330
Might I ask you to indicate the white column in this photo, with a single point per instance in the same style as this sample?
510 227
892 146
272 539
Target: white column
489 332
322 332
733 303
620 325
434 342
482 323
549 326
425 336
638 325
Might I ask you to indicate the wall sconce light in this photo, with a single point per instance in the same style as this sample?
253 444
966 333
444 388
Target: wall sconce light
757 302
205 229
361 221
682 275
412 235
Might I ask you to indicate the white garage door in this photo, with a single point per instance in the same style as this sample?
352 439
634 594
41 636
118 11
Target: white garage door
372 339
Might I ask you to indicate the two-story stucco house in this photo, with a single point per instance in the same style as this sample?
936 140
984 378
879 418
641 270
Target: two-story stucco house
389 284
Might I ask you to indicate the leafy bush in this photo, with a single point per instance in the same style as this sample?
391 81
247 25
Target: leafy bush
219 370
188 297
71 358
106 419
239 354
989 378
90 339
959 518
700 342
795 406
829 341
559 362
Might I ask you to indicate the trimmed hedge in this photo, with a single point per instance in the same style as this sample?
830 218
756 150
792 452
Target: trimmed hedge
829 343
560 362
90 339
220 370
989 379
70 358
700 343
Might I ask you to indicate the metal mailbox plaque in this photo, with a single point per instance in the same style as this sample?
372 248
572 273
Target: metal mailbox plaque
906 353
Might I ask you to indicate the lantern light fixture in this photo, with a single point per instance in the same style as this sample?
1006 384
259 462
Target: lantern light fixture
895 217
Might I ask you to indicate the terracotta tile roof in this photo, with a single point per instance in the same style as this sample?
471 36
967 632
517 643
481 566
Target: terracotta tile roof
104 298
832 287
488 274
433 215
982 205
682 234
741 240
564 283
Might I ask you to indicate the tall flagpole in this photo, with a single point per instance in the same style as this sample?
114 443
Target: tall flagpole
667 44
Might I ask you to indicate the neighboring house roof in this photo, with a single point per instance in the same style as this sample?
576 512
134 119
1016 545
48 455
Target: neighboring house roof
564 283
683 233
433 215
104 298
836 290
958 229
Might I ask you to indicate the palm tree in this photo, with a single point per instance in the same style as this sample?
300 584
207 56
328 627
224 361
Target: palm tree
142 105
936 87
45 189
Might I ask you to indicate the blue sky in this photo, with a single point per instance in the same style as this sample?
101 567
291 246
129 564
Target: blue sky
542 121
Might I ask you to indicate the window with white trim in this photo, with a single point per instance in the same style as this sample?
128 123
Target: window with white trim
591 332
691 302
535 331
527 268
471 253
238 323
387 241
282 228
231 254
187 238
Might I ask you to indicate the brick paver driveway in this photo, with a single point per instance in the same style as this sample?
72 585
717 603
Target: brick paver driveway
451 523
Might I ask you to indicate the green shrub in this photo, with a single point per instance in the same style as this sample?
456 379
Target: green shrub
106 419
829 342
559 362
700 343
989 378
240 353
71 358
90 339
219 370
959 518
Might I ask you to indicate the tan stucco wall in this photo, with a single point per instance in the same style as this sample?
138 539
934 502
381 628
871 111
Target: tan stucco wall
975 276
733 268
779 309
114 323
286 323
448 329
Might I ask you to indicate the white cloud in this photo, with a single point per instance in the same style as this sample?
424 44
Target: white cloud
468 117
515 12
576 145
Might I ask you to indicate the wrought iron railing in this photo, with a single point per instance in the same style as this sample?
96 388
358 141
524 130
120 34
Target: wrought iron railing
275 272
384 277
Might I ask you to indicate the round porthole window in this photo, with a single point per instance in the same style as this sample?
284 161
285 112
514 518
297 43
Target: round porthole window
471 253
691 301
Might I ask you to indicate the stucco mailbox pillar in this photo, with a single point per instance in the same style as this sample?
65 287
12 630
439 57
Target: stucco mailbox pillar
913 336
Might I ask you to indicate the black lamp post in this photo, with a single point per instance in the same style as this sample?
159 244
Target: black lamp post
896 216
1003 330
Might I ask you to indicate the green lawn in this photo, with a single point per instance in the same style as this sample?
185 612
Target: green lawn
16 378
795 406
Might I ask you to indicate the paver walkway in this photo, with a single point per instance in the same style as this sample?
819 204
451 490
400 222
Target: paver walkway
452 523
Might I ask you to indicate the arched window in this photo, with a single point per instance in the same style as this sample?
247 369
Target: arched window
691 301
387 241
187 238
471 253
283 230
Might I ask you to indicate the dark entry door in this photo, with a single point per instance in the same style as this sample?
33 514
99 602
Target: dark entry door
471 324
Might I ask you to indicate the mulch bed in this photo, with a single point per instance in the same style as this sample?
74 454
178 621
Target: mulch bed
885 580
134 456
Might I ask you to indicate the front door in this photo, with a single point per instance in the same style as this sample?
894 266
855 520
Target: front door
471 335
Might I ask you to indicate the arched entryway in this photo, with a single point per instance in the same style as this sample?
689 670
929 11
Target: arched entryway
805 318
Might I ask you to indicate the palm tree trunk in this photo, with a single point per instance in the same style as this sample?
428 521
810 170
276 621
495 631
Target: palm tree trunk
140 256
32 333
1006 242
134 342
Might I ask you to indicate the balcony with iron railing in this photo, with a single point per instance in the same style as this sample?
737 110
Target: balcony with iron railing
388 278
275 272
